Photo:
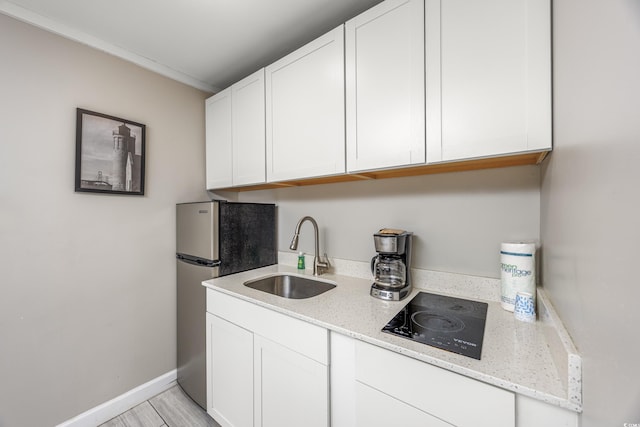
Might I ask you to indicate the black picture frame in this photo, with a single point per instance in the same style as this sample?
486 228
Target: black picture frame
110 154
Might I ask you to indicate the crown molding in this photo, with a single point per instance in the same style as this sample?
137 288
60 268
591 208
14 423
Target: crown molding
37 20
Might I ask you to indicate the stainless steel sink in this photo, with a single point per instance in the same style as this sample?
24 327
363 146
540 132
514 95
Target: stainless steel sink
290 285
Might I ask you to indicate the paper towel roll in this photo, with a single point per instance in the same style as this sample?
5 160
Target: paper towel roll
518 267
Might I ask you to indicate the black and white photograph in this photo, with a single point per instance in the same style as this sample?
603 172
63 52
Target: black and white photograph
109 154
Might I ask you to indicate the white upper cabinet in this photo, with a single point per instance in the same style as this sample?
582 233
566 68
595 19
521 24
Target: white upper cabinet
406 83
248 120
384 56
235 134
488 68
305 111
219 140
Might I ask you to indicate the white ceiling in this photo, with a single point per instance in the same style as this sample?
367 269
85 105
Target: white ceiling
208 44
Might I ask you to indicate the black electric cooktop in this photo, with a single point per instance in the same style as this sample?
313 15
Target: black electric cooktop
449 323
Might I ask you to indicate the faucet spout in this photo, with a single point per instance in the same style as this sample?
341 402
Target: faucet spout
319 265
294 242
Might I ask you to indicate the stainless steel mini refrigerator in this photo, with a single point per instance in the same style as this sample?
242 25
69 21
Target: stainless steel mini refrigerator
213 239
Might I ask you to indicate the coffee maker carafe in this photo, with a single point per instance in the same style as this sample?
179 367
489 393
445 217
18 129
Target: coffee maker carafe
391 267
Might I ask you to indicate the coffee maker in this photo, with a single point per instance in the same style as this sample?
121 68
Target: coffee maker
391 267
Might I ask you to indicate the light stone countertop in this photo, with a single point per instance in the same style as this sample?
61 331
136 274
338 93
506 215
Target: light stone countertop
516 356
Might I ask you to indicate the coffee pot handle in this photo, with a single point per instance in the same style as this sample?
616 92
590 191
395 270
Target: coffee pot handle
373 262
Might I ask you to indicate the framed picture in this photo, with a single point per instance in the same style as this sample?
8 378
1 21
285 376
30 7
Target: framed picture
109 154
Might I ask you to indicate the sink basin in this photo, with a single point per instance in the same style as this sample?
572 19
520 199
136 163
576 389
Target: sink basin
290 285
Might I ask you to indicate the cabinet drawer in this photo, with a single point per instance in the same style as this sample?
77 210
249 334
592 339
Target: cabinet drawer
451 397
376 409
302 337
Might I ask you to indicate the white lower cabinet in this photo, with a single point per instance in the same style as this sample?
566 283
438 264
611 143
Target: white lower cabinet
375 384
264 369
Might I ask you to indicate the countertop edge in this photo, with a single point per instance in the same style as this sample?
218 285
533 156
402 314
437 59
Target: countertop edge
563 351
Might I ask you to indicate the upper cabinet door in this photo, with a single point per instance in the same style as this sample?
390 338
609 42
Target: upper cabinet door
488 77
219 140
305 111
248 120
385 86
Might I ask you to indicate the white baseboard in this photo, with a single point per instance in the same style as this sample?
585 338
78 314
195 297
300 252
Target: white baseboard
108 410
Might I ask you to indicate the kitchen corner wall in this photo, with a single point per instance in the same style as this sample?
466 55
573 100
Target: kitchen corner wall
87 287
590 200
458 219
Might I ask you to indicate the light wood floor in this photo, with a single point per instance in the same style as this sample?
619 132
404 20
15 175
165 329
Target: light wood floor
173 408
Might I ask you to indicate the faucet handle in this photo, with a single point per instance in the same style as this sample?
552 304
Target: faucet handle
324 264
326 260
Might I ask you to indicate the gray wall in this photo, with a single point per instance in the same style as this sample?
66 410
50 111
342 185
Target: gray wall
459 219
88 293
591 201
87 287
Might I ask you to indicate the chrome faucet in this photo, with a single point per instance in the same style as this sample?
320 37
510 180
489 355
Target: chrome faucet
320 265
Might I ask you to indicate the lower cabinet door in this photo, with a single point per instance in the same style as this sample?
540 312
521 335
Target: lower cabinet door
291 390
376 409
230 373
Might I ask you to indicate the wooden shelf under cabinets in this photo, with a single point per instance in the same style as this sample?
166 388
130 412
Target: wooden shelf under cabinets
532 158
